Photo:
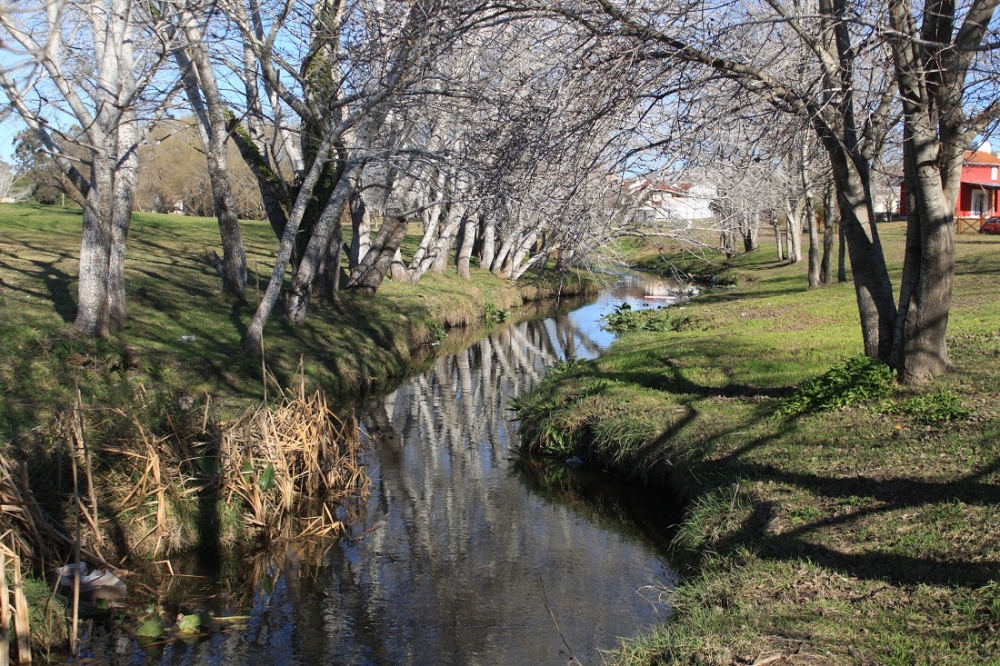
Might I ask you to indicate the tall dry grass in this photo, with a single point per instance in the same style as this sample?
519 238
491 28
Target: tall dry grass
110 485
292 466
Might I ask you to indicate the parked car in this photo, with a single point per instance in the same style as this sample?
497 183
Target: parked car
990 226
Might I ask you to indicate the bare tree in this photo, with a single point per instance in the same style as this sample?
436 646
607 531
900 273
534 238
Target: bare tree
11 190
840 77
96 61
203 94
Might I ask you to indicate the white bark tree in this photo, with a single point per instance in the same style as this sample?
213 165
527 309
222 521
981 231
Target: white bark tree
849 62
96 62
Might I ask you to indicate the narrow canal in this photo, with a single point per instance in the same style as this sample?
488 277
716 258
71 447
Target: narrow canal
463 556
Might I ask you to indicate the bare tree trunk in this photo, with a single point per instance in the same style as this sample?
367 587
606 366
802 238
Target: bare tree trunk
873 290
779 246
456 215
370 273
125 177
397 269
464 256
93 315
841 253
794 232
809 217
319 243
829 212
361 228
203 94
489 237
253 341
928 267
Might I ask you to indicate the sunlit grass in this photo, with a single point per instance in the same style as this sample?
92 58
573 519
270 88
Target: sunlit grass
863 535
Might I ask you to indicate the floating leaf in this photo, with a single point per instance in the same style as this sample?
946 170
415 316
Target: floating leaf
189 624
151 628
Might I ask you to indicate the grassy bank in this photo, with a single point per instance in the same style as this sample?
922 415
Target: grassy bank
157 418
866 534
184 336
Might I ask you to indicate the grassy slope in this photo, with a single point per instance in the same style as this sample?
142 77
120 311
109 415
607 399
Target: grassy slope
173 292
860 536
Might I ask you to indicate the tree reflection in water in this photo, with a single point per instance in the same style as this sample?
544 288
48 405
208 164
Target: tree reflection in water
457 545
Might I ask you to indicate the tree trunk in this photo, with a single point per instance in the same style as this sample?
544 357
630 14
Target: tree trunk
319 243
361 231
203 94
93 315
928 268
779 246
841 253
829 212
397 269
253 341
873 290
489 239
125 177
370 273
794 234
468 235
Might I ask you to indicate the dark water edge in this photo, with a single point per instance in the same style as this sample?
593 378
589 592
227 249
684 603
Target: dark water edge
462 556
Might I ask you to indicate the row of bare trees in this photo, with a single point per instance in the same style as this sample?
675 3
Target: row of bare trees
496 127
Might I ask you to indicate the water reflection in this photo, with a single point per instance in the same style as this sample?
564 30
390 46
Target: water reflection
463 560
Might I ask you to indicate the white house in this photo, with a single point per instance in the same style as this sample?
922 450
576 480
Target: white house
661 203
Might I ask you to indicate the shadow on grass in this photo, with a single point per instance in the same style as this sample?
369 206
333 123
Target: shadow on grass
710 461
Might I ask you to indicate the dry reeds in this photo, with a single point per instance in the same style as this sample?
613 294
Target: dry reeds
22 628
288 463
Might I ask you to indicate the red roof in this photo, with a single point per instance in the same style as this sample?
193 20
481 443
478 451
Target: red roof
976 157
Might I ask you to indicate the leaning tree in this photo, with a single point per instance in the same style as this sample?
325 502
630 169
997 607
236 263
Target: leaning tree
854 66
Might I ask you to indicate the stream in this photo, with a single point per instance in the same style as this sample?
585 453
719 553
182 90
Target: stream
463 555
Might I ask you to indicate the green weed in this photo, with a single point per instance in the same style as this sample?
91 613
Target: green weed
624 319
945 405
855 381
492 313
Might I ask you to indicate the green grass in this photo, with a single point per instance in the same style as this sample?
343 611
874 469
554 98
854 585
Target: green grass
173 292
857 534
179 360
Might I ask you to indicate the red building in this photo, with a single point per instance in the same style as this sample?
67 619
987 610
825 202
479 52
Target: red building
980 183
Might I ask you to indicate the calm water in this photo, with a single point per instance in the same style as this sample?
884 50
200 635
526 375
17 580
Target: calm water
461 558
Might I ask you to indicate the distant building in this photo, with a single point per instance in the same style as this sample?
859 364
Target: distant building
977 196
658 203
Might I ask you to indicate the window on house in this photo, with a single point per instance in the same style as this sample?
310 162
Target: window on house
993 173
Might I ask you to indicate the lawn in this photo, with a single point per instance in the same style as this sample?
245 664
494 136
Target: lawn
865 534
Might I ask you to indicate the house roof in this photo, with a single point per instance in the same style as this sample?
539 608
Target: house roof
980 158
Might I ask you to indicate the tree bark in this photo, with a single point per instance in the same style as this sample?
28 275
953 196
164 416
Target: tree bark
93 315
829 213
464 256
203 94
370 273
319 242
361 229
253 341
779 246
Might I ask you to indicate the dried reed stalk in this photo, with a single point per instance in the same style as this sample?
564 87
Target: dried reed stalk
291 461
22 626
4 610
88 468
74 627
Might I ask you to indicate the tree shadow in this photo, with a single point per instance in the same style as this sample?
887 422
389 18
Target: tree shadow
713 462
